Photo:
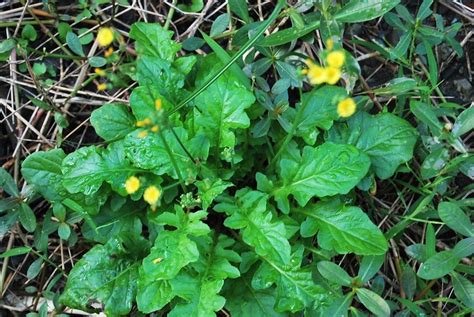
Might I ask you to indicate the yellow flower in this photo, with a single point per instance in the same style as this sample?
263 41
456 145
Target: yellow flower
101 87
109 52
333 75
335 59
157 260
346 107
158 104
151 195
143 123
99 72
132 184
154 128
105 36
142 134
316 74
330 44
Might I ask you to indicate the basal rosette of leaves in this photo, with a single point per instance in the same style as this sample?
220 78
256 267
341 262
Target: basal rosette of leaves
239 214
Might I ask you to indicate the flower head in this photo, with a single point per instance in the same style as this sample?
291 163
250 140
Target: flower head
101 87
105 36
346 107
316 74
154 128
151 195
333 75
132 184
335 59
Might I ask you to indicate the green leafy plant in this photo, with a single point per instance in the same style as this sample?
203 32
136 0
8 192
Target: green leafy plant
215 189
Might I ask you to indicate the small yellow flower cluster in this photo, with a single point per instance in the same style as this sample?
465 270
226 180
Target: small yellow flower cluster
151 195
329 74
147 122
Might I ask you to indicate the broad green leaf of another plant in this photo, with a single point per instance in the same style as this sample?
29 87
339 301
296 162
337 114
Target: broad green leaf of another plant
455 218
464 289
112 121
151 39
295 288
373 302
365 10
150 153
221 110
387 139
326 170
107 273
249 212
343 229
87 168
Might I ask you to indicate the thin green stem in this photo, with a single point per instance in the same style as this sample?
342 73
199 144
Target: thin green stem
292 132
173 161
170 15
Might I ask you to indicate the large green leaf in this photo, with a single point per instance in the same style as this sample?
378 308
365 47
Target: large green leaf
112 121
43 170
151 39
107 273
242 300
87 168
438 265
387 139
318 109
295 287
167 76
142 102
455 218
110 222
364 10
221 109
326 170
201 292
150 153
343 228
249 212
373 302
464 289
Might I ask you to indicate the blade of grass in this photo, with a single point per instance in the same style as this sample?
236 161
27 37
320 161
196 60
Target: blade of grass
234 58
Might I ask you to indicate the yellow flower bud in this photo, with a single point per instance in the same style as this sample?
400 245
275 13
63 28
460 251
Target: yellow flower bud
158 104
154 128
101 87
109 52
100 72
143 123
105 36
132 184
346 107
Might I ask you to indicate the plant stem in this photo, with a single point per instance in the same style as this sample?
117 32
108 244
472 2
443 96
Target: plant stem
170 15
173 161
